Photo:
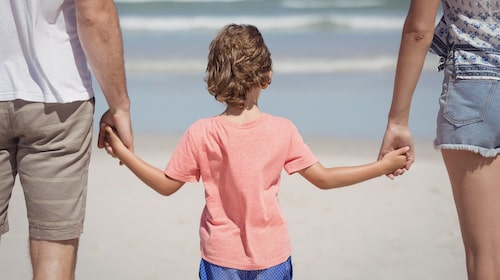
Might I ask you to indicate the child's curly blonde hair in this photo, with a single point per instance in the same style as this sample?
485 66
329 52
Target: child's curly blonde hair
238 61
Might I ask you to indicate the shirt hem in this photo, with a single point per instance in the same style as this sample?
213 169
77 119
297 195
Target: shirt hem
39 97
239 266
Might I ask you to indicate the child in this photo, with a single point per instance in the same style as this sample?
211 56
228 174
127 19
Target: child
240 155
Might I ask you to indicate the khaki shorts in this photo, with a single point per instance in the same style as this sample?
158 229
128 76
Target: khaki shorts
48 146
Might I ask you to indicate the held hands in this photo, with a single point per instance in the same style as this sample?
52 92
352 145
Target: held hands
117 120
113 144
397 136
120 121
395 160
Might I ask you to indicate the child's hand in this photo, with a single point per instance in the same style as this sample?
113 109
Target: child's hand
113 144
396 161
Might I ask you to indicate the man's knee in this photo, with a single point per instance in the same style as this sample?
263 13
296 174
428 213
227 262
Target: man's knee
53 259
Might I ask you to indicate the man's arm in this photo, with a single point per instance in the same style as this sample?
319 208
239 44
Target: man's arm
101 39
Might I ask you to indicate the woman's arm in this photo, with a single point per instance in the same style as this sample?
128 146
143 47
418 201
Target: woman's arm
418 31
417 35
150 175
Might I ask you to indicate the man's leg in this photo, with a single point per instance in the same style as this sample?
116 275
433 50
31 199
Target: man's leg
54 260
53 159
8 165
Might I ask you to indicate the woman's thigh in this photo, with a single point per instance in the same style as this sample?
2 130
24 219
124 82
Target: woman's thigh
475 182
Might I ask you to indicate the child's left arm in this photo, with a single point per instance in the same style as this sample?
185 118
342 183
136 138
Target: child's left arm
336 177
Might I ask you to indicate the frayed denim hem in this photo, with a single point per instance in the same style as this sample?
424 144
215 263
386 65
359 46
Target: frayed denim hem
463 147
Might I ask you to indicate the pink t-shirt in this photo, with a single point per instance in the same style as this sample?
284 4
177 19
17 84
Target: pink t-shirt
241 226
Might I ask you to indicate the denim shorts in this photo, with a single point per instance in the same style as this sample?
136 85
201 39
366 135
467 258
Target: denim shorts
48 145
282 271
469 115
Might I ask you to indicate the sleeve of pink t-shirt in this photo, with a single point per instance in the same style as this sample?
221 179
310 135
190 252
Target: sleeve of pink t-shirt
299 155
183 164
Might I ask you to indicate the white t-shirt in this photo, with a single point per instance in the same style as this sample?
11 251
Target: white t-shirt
41 59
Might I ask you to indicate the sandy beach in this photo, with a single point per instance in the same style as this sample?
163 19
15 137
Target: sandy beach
380 229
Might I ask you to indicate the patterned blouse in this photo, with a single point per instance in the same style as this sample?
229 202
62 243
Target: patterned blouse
469 33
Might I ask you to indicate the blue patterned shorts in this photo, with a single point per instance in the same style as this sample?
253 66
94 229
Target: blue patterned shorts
282 271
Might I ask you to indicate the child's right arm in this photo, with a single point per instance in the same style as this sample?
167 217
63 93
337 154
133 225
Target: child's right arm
336 177
150 175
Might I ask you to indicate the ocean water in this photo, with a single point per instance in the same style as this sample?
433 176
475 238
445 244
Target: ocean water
333 60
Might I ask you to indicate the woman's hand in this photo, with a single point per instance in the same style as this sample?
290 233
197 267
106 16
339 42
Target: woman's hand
397 136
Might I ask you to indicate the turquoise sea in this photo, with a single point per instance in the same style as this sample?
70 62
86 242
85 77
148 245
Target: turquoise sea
334 63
